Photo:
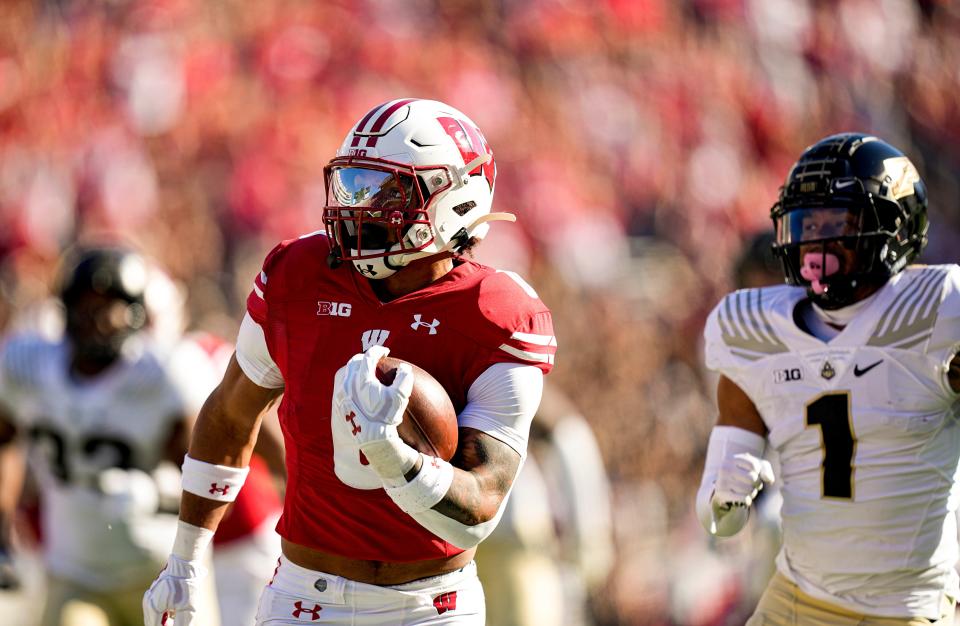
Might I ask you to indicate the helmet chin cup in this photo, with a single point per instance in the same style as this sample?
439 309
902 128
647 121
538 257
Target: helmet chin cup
838 292
374 269
380 267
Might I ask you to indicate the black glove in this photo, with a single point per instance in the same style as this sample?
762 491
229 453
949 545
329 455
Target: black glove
9 576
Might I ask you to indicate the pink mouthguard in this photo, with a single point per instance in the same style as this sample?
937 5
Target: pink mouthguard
813 269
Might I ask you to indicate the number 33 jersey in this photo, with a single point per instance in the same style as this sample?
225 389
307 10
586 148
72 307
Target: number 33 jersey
865 430
91 447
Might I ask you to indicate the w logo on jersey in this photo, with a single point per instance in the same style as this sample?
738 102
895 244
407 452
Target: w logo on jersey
372 338
445 602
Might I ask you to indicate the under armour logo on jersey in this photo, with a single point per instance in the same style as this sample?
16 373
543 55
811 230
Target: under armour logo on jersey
221 490
334 309
350 418
299 610
372 338
445 602
417 323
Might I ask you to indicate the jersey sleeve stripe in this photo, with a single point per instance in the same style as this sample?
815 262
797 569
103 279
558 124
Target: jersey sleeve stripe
906 313
539 340
910 320
888 321
536 357
744 325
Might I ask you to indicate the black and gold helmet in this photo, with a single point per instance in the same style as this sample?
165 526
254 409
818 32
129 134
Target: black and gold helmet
857 192
102 289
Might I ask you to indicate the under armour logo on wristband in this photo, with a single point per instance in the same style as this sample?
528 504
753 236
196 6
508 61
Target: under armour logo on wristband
350 417
445 602
221 490
300 610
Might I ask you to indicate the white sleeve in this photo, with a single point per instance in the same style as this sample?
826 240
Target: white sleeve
502 402
193 376
725 442
254 357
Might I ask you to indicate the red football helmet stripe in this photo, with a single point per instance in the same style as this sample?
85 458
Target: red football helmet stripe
363 122
372 141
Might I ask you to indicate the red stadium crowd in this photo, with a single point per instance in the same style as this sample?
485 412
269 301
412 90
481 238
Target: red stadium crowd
640 143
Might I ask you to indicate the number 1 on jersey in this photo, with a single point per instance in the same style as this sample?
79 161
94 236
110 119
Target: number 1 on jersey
831 413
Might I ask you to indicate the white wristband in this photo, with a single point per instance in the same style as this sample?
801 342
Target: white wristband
191 541
724 441
215 482
426 489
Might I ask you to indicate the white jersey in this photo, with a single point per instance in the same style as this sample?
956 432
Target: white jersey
865 427
91 446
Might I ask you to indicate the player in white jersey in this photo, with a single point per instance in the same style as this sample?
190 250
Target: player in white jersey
97 411
849 377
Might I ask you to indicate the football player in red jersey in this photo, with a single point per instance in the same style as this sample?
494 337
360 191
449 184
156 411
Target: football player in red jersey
373 531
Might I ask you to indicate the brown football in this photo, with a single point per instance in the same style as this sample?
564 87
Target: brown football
430 421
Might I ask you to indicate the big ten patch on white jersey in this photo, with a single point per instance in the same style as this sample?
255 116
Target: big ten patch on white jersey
865 430
91 445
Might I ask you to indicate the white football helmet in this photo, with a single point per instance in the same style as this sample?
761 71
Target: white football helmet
413 178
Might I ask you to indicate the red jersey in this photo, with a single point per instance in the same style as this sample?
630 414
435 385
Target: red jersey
314 319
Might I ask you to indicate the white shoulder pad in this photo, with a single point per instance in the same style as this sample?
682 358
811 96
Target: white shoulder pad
919 311
193 373
945 337
22 362
738 332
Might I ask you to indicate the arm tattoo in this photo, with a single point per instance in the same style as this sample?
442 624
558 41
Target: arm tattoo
489 467
953 374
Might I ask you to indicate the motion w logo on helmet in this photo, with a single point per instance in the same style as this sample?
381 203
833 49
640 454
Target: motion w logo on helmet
471 144
902 176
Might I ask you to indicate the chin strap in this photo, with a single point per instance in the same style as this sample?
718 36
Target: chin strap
405 259
483 219
464 173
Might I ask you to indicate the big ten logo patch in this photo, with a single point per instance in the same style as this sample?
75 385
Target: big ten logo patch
788 374
334 309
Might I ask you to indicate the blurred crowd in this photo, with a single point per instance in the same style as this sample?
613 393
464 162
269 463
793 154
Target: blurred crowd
640 142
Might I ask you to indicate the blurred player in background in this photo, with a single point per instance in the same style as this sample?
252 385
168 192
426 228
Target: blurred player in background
375 532
98 410
851 375
553 549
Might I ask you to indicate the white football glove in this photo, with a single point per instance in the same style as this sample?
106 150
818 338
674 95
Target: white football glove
739 479
174 594
371 411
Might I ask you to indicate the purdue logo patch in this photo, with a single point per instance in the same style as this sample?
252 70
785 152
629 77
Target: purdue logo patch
827 371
